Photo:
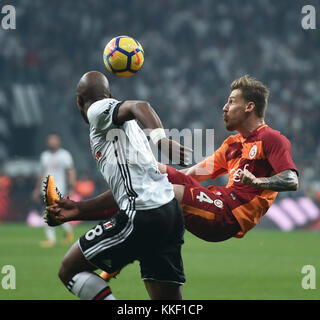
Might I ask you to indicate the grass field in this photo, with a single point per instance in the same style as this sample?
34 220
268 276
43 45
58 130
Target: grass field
263 265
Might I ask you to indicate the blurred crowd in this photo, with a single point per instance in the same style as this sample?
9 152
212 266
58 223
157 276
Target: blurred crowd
193 51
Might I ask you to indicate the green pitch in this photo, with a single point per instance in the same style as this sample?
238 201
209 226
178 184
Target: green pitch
262 265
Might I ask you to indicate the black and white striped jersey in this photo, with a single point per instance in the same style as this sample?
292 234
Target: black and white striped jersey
125 159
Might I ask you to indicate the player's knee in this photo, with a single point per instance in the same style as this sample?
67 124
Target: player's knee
64 272
67 268
73 263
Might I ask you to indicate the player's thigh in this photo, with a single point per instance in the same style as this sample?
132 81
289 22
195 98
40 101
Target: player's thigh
177 177
207 215
161 290
111 245
73 263
163 266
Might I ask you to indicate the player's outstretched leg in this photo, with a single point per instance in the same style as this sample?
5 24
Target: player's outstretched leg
77 275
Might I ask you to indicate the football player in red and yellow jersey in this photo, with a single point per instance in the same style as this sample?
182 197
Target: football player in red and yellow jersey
258 162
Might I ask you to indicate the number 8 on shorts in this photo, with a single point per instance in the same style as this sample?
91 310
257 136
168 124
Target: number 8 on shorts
95 232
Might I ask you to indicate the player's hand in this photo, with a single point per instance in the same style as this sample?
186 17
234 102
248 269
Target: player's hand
176 152
248 178
64 210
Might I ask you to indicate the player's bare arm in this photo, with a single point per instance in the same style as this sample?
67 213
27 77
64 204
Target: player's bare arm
284 181
85 210
99 208
145 114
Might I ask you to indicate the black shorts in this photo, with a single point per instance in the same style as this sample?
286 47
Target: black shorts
153 237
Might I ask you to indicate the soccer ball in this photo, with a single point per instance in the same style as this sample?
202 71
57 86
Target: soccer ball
123 56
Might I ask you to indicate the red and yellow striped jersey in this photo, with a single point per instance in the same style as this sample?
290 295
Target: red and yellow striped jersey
264 152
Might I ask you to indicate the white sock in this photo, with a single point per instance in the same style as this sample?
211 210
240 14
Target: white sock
50 233
89 286
67 227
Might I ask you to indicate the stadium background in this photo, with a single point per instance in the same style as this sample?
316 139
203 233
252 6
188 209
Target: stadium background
193 50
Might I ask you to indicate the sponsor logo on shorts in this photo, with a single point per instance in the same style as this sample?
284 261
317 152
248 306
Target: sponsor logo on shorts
108 225
218 203
233 197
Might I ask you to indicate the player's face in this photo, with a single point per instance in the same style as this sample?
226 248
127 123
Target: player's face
234 111
81 108
54 142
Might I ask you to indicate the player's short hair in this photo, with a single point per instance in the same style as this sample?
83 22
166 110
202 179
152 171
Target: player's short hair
53 133
253 90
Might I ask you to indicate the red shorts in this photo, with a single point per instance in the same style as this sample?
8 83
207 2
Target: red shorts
207 215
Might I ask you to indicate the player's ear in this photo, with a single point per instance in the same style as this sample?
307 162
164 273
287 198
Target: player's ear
250 106
80 101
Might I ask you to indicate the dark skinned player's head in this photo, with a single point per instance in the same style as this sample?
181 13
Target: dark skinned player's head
93 86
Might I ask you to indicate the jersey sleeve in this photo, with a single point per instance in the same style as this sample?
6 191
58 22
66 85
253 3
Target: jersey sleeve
42 161
102 115
216 164
68 160
277 149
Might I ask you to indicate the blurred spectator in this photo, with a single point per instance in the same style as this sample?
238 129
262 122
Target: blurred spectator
5 186
59 163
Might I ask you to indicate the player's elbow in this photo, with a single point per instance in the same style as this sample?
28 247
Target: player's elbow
132 109
140 106
295 186
292 180
138 109
146 115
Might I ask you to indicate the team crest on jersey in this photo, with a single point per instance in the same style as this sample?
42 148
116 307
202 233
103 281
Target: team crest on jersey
253 151
218 203
108 225
98 155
